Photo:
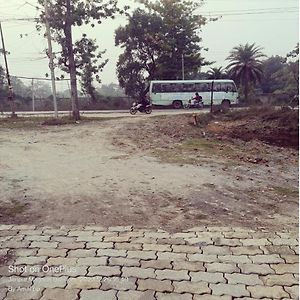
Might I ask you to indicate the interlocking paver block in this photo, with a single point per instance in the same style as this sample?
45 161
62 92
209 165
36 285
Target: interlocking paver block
98 295
221 267
6 227
101 245
283 279
92 261
285 268
277 250
129 246
171 256
82 253
141 254
172 274
157 247
63 239
15 281
202 257
170 241
119 239
207 277
155 285
24 227
50 282
26 294
246 250
120 228
237 259
191 287
247 279
136 295
26 252
104 270
71 245
186 249
290 259
235 290
94 228
188 265
16 244
138 272
81 233
37 238
156 264
226 242
118 283
211 297
261 269
83 282
273 292
111 252
281 242
220 250
31 260
266 259
157 235
255 242
173 296
293 291
52 252
43 245
237 235
56 261
121 261
199 241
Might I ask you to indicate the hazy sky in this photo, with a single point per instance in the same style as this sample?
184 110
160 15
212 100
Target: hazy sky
271 24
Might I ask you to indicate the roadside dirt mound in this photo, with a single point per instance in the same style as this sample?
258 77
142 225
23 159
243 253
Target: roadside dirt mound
278 127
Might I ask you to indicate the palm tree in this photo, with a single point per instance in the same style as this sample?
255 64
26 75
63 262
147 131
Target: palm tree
245 65
216 73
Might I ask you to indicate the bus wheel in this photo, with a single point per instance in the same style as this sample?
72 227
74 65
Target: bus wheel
225 105
177 104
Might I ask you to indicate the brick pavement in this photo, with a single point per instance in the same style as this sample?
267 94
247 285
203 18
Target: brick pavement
92 262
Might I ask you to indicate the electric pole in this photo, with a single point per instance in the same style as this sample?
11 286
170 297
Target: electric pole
50 54
182 65
33 96
10 96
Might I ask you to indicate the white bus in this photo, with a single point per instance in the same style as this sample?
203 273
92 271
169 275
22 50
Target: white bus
176 93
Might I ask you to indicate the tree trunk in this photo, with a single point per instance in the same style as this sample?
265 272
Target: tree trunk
246 88
72 66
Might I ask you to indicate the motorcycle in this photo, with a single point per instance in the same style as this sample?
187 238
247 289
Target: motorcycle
141 108
194 104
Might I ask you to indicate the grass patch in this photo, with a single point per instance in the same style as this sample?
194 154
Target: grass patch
40 121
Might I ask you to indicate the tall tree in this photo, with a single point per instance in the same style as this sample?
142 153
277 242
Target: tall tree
63 16
245 66
156 41
216 73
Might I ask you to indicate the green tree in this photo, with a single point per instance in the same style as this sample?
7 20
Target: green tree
216 73
245 66
63 16
155 41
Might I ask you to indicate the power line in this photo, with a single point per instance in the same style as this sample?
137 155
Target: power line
39 78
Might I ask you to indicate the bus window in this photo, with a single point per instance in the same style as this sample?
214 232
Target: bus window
188 87
217 87
156 88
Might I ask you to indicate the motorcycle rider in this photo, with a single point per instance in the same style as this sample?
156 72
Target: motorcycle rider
142 103
197 99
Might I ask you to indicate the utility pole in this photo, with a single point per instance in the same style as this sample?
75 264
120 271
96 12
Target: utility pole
212 96
33 96
10 90
50 54
182 65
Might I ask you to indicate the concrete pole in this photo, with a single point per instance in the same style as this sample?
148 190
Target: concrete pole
50 54
182 65
33 96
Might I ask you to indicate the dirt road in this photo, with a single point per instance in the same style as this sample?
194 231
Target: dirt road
92 173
